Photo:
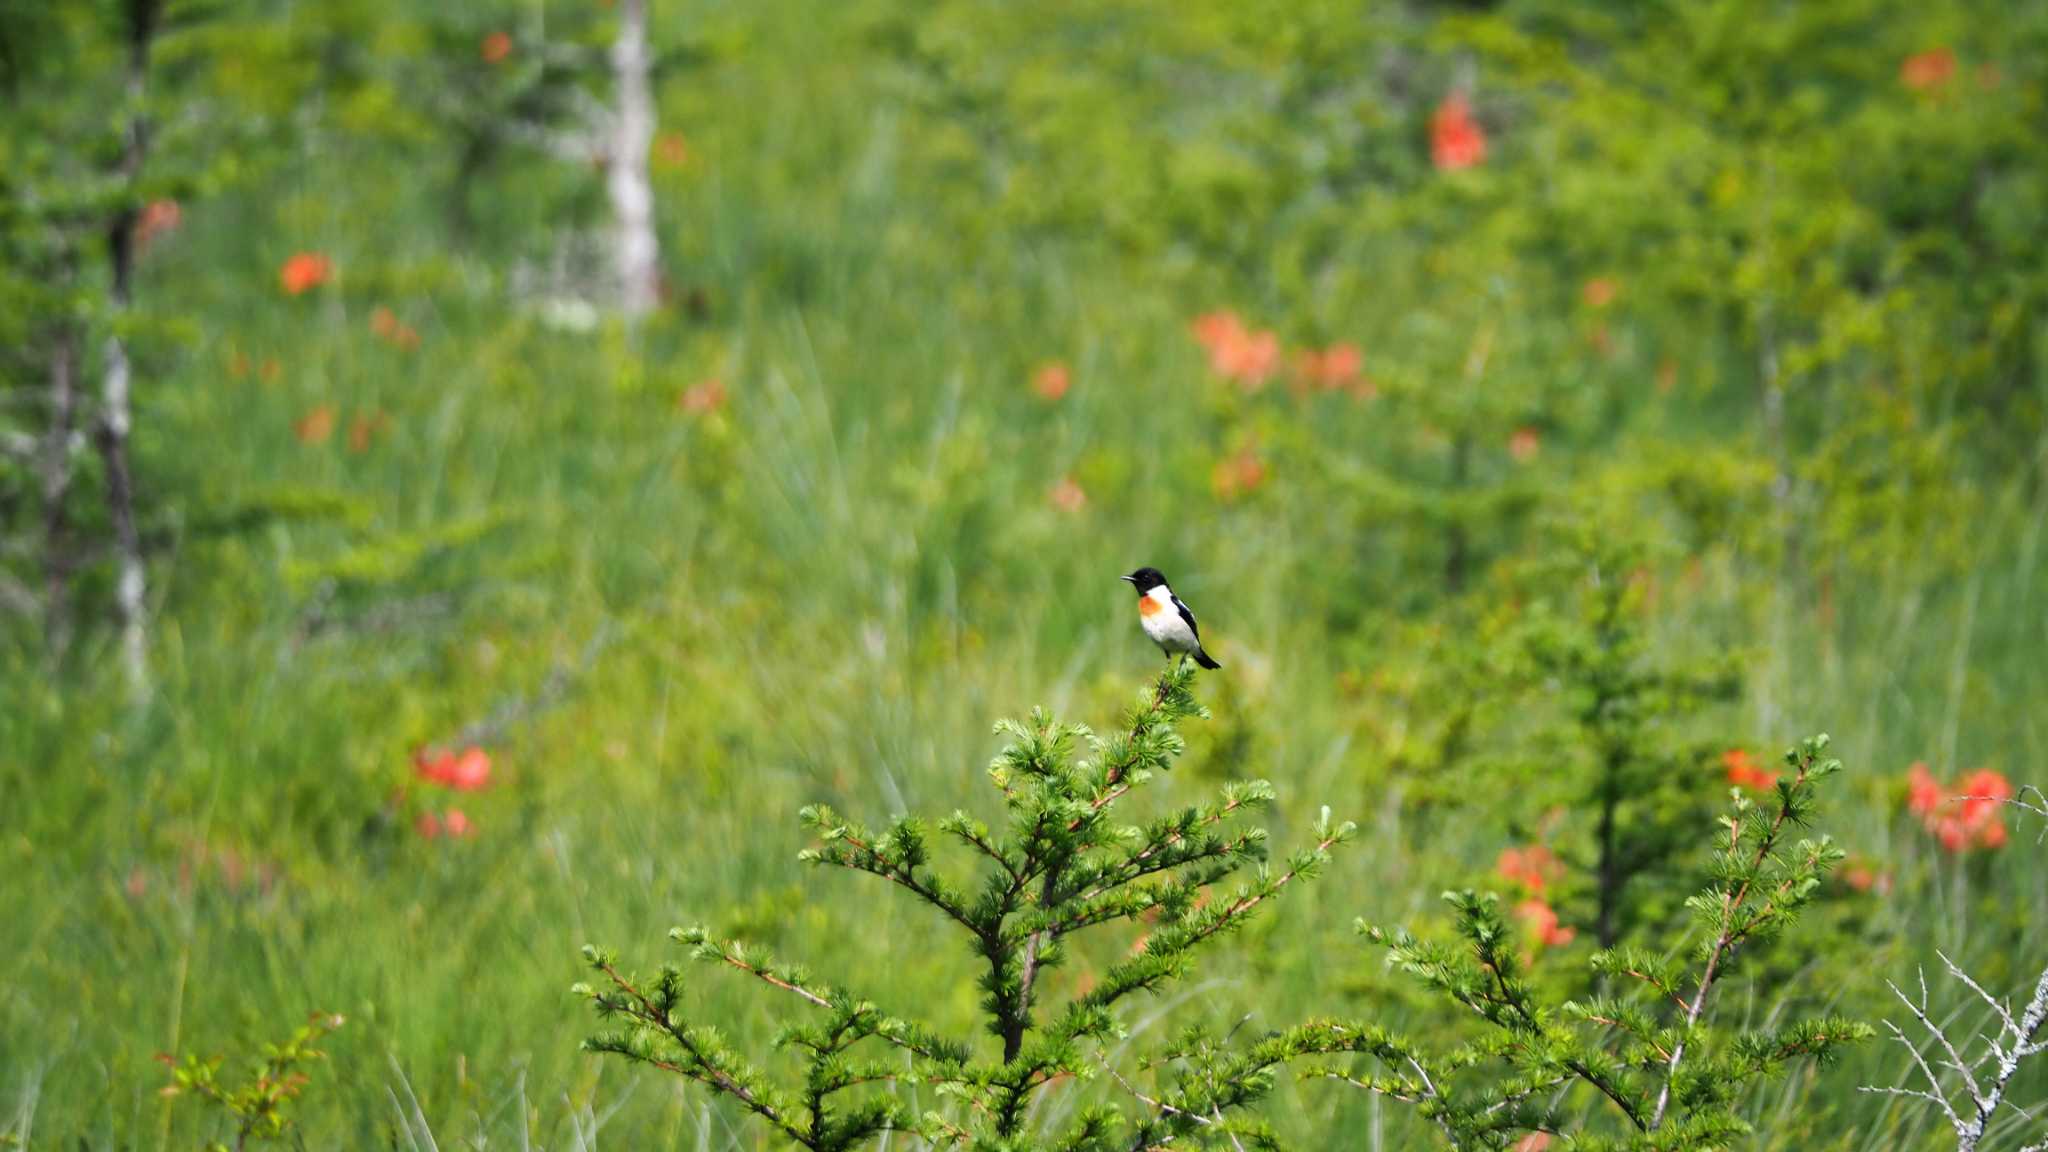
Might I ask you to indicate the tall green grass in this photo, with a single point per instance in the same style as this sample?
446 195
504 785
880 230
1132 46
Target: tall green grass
826 590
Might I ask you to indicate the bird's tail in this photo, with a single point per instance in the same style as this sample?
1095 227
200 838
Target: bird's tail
1202 658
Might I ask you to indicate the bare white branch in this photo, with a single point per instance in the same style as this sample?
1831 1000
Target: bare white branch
1933 1080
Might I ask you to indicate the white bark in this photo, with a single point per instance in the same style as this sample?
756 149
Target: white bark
131 585
56 477
636 252
1970 1092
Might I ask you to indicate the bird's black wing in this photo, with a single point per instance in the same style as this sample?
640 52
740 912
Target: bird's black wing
1189 617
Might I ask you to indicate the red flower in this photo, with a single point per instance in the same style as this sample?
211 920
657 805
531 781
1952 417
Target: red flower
1068 495
467 771
1981 793
304 272
1745 773
1247 356
495 47
1215 328
1330 369
1969 815
707 395
1455 139
1534 867
1923 791
671 151
428 826
1238 474
456 823
158 218
1926 71
1524 444
386 326
1540 919
1863 877
1051 380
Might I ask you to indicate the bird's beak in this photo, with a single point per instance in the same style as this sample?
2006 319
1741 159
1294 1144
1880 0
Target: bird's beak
1128 579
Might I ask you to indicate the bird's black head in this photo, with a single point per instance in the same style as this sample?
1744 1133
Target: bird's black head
1145 579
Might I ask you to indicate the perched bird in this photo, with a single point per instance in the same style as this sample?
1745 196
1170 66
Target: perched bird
1165 619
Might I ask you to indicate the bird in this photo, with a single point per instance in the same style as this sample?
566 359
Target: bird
1165 619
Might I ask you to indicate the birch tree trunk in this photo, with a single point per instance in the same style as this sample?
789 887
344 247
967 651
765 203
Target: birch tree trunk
131 586
635 249
55 466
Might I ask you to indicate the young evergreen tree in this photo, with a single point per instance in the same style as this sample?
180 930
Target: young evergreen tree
1645 1067
1641 775
1060 864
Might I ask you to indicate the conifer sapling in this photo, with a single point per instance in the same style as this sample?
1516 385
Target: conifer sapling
1060 863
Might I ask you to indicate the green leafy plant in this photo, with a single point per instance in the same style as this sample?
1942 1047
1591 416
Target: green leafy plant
1644 1064
1639 772
259 1107
1060 865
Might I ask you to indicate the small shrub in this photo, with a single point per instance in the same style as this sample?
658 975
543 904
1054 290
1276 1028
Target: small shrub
258 1108
1060 865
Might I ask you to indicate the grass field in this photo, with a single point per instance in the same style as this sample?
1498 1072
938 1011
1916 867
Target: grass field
675 623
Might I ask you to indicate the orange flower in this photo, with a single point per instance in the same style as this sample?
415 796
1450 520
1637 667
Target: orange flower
315 426
269 370
467 771
1533 1142
1252 361
1212 329
1745 773
1929 70
1598 292
304 272
495 47
1524 443
386 326
1051 380
1534 867
706 395
1861 876
1332 368
158 218
671 151
1068 496
363 429
1247 356
1455 139
1238 474
1540 920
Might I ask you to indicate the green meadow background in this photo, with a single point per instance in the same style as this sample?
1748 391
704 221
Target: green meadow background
1755 285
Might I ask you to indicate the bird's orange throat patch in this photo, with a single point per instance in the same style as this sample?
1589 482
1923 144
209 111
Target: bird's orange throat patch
1147 606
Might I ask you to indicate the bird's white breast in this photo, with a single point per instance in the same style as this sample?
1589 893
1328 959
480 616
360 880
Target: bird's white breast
1161 621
